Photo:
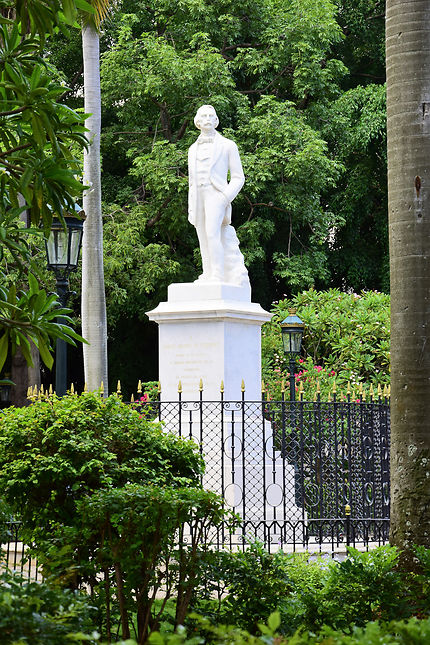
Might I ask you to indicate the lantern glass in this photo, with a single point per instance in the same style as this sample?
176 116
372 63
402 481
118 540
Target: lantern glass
63 245
292 340
292 333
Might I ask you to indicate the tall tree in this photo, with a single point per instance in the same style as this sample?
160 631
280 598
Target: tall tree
94 322
408 120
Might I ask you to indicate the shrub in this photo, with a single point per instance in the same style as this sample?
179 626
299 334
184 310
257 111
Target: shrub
103 496
36 613
411 632
309 594
56 451
347 334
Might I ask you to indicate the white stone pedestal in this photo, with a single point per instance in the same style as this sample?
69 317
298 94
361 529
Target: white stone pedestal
210 332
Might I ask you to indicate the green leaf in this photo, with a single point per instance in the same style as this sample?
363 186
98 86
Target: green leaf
274 621
4 348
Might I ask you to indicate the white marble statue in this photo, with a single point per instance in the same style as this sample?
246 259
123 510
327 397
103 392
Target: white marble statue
210 159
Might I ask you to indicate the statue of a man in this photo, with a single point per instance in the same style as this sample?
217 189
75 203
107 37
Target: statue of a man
210 159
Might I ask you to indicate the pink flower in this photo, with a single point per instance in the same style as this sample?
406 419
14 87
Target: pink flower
301 360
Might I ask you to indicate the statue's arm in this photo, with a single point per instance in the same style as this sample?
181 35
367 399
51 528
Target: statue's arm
237 178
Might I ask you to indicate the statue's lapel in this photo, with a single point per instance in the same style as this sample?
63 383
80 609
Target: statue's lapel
217 148
193 160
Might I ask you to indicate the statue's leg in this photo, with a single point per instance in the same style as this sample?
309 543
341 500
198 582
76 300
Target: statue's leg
201 234
214 214
204 252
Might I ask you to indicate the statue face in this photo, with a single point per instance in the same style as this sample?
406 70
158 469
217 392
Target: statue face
206 119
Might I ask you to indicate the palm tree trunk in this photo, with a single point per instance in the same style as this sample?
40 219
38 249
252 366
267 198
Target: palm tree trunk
94 324
408 124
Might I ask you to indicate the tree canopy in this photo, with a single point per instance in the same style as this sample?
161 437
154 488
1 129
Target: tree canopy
298 86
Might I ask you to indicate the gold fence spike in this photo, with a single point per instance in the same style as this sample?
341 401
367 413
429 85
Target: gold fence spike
352 394
139 387
222 386
102 388
301 388
118 387
360 390
263 387
329 397
282 386
50 389
348 389
334 387
132 398
379 391
347 509
372 392
385 391
72 389
42 391
179 386
85 387
159 387
28 392
389 390
242 386
318 387
201 385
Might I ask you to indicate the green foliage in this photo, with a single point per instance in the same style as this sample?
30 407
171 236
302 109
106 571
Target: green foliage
33 612
346 340
141 531
56 451
411 632
310 595
363 587
159 67
37 135
104 497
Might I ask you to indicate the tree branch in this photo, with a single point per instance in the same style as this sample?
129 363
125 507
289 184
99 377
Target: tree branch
16 111
11 150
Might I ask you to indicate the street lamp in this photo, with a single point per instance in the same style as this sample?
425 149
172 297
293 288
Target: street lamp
292 333
62 252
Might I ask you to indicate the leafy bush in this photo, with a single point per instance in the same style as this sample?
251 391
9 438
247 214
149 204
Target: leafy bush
137 536
411 632
364 587
56 451
103 496
309 594
35 613
345 333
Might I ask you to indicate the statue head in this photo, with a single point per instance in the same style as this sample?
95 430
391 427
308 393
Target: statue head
206 114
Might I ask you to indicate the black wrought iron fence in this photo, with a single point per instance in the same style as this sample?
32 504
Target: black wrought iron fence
299 474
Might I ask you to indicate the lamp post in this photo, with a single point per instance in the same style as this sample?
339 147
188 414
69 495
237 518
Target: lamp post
62 252
292 333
